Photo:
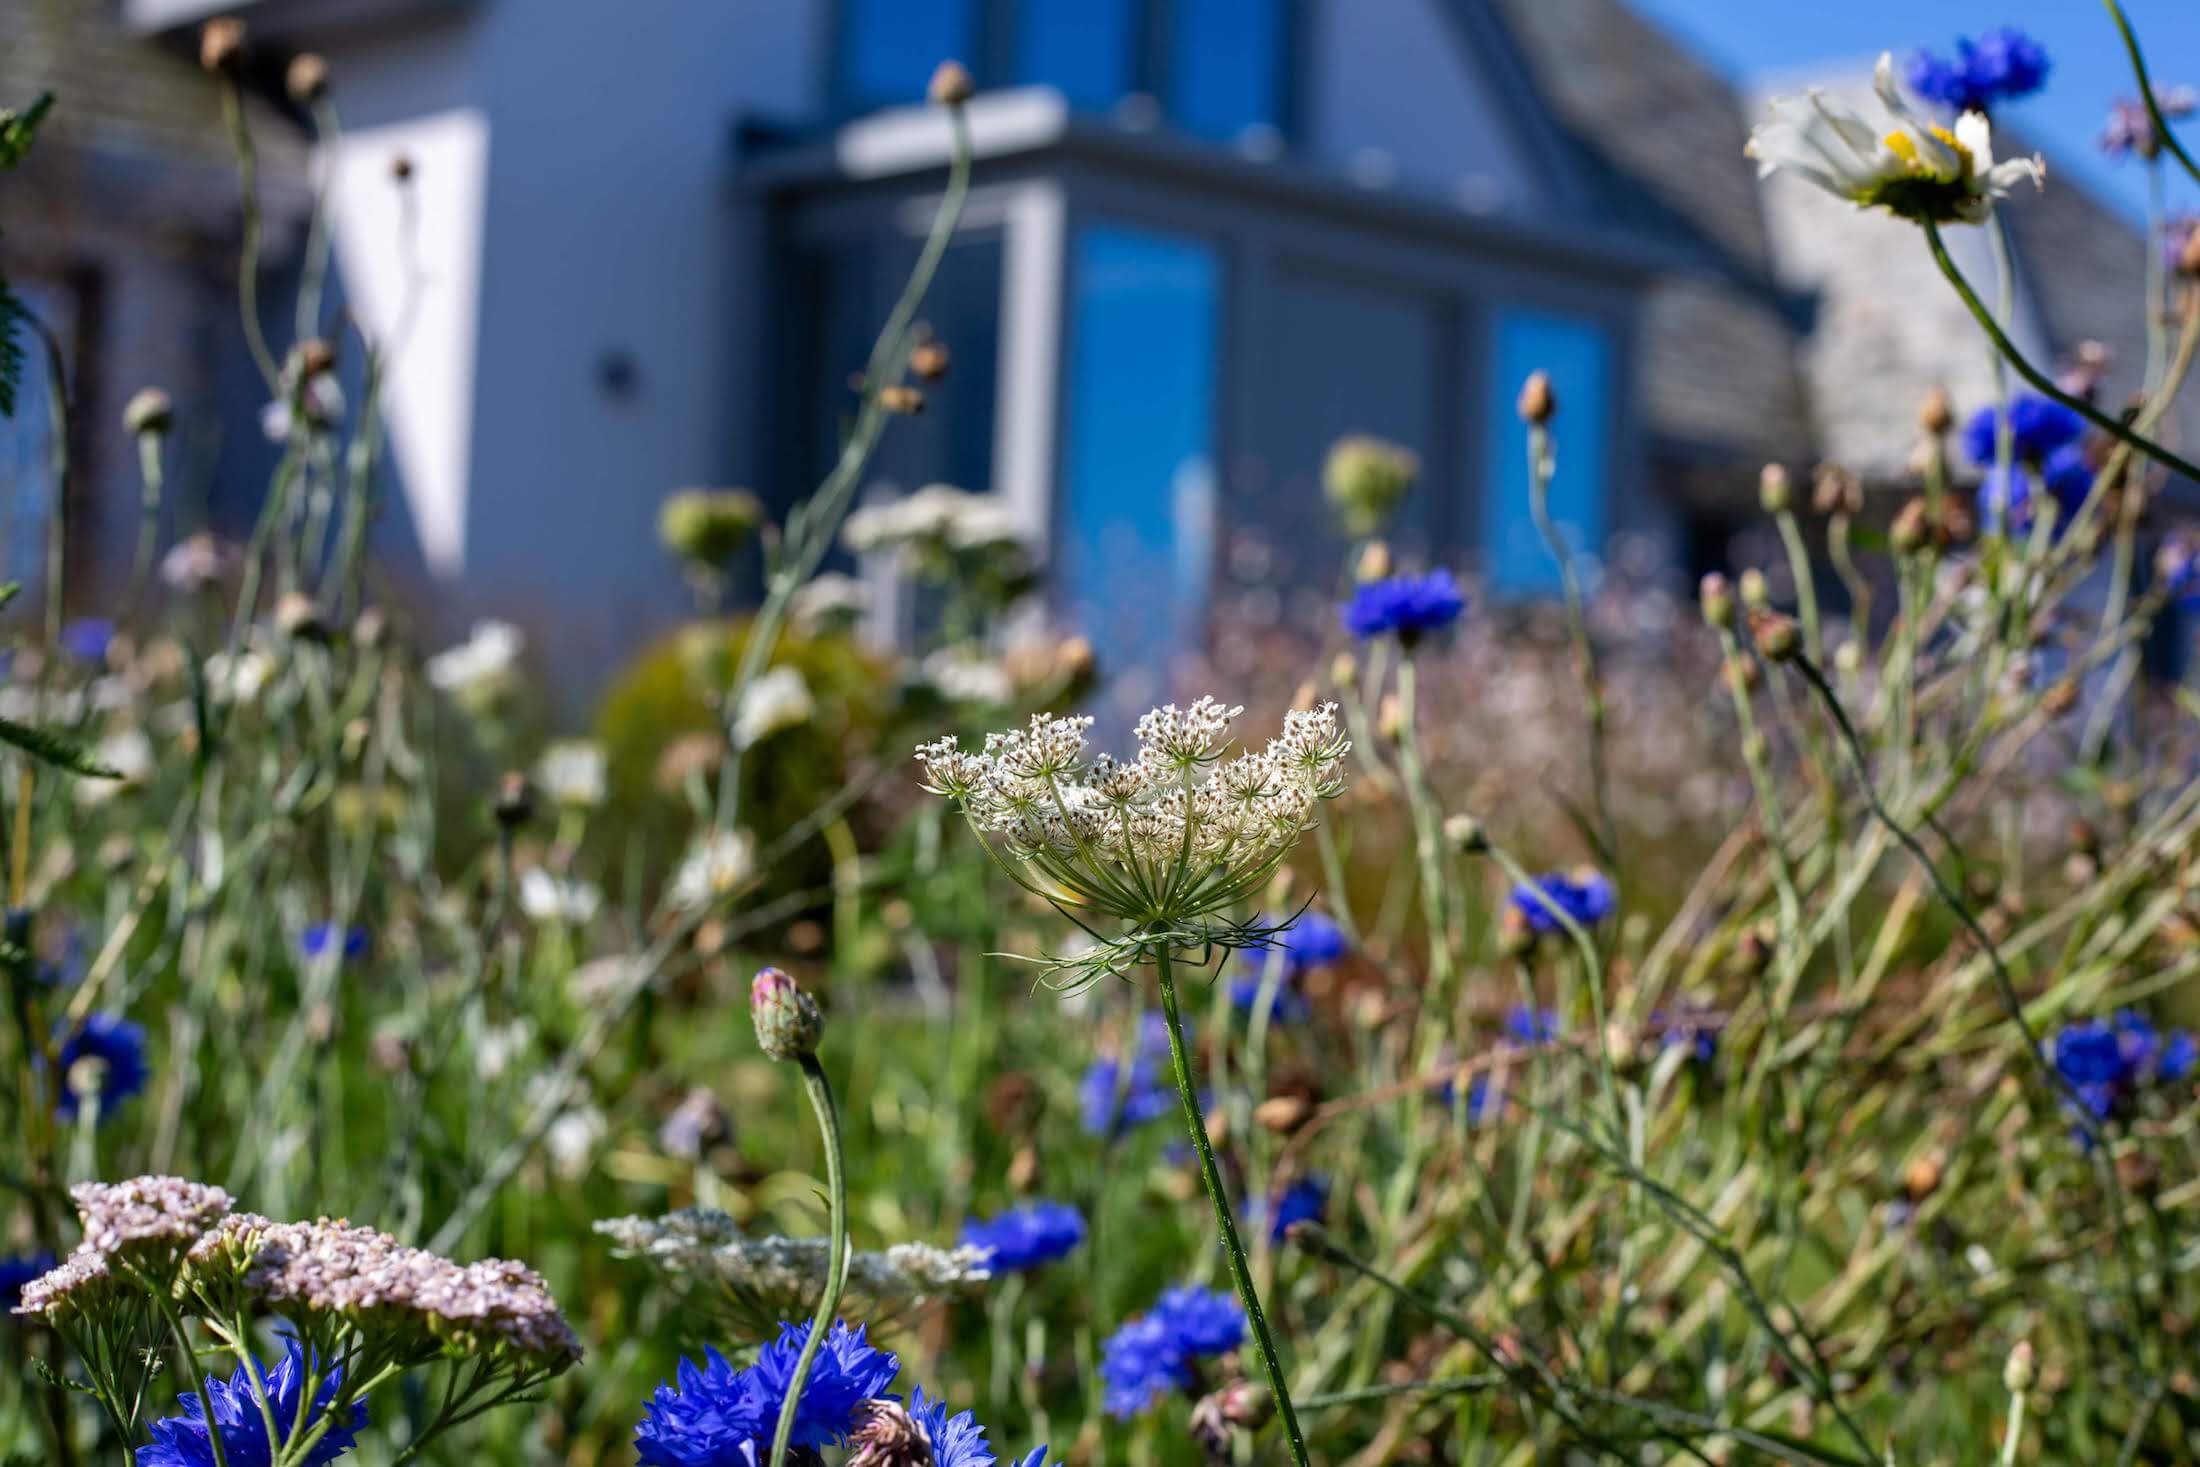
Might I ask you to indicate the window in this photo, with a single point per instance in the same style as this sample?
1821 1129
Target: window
889 48
1136 533
27 482
1226 66
1577 355
1087 49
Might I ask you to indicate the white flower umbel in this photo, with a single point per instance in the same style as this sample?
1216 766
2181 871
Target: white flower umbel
716 866
549 898
573 773
778 700
1904 164
1166 842
482 664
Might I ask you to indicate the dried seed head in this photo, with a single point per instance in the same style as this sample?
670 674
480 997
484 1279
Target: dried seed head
149 411
1538 403
221 42
1834 490
306 78
1775 491
788 1021
952 85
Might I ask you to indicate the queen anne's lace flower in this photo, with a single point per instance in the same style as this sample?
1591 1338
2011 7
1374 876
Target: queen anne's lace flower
1165 839
1913 168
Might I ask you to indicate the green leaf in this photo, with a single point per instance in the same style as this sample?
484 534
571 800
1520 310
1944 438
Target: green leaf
51 748
9 590
18 128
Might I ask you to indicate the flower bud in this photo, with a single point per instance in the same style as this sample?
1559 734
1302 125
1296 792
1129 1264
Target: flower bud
1282 1114
928 361
1538 404
1248 1404
297 617
221 42
1923 1174
401 167
707 527
1515 938
1777 637
1834 490
2017 1374
514 804
1374 563
1911 529
952 85
1756 591
1344 668
1364 478
904 400
1848 658
1717 595
788 1021
306 78
1465 835
314 357
1775 492
1390 718
1936 415
149 411
2060 697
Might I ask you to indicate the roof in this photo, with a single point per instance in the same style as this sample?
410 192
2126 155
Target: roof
1660 134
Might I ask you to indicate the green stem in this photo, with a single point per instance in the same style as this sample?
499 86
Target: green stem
2039 380
2162 134
1240 1273
1541 466
836 1265
2015 1432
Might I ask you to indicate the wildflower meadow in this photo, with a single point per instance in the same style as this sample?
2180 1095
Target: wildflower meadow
1727 1024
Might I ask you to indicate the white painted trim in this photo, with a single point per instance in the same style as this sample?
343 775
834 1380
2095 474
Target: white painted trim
1028 397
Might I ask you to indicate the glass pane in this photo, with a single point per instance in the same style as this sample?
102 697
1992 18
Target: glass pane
1081 47
27 446
889 48
1578 356
1137 517
1226 66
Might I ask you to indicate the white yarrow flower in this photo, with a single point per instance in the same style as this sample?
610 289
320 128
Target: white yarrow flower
716 866
573 772
480 665
1912 168
567 899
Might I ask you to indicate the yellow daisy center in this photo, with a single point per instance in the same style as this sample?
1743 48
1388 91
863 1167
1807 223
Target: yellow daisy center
1903 144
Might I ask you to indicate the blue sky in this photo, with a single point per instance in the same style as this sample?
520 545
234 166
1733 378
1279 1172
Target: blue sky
1748 38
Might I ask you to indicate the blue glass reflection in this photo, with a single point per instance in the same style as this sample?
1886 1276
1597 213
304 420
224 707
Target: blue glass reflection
1577 354
1226 65
1083 48
1137 518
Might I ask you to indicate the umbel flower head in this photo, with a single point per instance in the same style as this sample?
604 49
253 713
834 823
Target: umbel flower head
1164 841
185 1440
1912 168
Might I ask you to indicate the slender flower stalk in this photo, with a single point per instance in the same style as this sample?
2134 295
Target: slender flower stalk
820 1091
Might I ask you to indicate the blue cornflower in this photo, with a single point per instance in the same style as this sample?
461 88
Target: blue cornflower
1586 896
87 638
1533 1026
18 1271
317 939
959 1441
2037 427
1303 1201
117 1046
1151 1356
2008 504
1309 940
2109 1062
1026 1236
186 1440
1115 1102
718 1416
1700 1032
1404 605
2002 65
2177 568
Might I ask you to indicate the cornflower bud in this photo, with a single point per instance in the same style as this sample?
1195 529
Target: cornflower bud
2017 1374
221 42
928 361
706 527
1777 637
1936 415
1775 492
1834 490
306 78
1374 563
1717 595
1756 590
904 400
1465 834
1910 530
952 85
788 1021
1364 478
149 412
514 804
1538 404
